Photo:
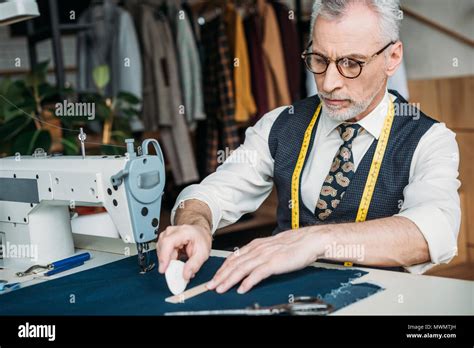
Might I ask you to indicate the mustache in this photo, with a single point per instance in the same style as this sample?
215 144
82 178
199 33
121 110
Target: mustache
334 96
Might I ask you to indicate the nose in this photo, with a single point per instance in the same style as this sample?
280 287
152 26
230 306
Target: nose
332 79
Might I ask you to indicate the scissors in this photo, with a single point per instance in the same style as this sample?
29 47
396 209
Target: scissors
302 305
58 266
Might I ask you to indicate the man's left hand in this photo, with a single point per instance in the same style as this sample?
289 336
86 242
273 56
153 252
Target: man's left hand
288 251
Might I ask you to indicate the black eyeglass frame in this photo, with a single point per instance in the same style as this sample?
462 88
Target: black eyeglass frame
361 64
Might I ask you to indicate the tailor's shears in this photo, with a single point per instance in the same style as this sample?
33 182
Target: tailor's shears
303 305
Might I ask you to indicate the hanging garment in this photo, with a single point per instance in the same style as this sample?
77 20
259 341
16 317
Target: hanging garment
111 40
196 27
291 48
244 102
274 61
189 64
222 132
162 98
254 36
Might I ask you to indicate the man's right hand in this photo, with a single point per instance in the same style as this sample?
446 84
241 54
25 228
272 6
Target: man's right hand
194 240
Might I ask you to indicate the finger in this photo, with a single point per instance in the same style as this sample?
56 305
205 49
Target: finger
260 273
240 273
238 256
167 231
197 257
168 247
228 261
218 276
228 267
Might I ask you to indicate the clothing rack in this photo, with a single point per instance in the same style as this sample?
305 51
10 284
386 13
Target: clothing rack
56 29
301 29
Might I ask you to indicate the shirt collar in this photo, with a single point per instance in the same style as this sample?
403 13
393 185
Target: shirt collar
372 123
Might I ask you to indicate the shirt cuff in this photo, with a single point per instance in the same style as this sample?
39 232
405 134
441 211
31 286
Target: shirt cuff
191 192
441 240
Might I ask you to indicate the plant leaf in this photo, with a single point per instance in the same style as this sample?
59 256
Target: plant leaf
102 111
13 127
129 112
37 75
128 97
101 76
47 91
27 142
5 85
41 69
70 145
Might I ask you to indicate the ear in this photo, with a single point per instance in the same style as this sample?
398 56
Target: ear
394 59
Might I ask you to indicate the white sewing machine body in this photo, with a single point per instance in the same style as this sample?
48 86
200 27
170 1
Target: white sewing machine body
36 193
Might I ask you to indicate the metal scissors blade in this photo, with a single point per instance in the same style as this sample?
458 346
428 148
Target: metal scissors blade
308 305
245 311
305 305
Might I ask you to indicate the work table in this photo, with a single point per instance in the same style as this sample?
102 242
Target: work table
403 294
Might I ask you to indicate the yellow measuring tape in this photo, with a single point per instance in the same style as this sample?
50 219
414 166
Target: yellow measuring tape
371 179
295 179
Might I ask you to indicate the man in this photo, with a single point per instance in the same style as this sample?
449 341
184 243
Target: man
324 154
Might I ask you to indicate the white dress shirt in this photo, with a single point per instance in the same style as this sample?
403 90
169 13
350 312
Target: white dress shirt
431 201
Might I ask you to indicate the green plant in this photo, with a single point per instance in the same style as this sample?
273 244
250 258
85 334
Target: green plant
27 115
124 104
20 109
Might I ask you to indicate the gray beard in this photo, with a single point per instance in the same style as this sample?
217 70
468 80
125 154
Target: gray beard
354 110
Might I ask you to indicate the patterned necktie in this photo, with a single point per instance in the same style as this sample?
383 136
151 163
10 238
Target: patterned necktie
340 174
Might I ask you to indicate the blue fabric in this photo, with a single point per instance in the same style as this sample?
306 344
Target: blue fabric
285 141
118 289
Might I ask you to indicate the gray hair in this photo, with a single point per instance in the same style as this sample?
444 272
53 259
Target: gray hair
388 11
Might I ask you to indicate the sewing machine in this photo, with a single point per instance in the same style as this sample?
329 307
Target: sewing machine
37 192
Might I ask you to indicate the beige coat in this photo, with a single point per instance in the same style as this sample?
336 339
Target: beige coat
275 72
162 98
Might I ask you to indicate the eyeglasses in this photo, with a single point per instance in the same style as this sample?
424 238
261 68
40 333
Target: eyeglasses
347 67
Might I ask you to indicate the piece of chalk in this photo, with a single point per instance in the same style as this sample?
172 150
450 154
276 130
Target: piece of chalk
174 277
